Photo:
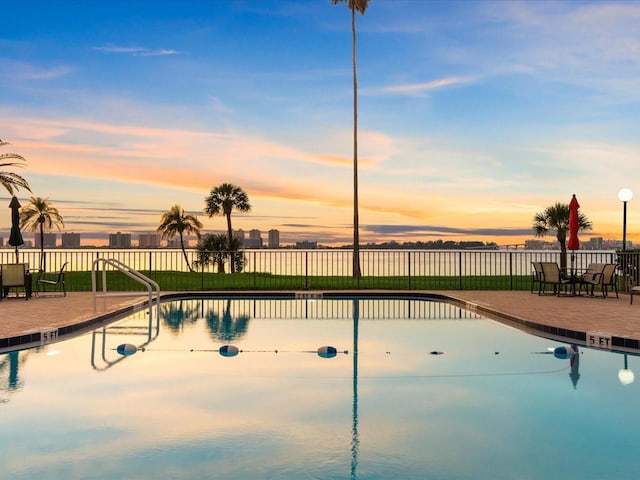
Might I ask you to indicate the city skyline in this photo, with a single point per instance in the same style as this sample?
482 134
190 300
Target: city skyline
253 239
473 115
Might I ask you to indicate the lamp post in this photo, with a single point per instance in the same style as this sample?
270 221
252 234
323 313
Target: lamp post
624 196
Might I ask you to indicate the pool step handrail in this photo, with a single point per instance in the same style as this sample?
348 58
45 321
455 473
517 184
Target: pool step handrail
153 289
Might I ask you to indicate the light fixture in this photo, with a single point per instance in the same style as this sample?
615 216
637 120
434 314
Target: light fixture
625 375
624 196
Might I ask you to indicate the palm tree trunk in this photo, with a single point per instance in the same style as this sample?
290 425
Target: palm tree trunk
230 233
356 226
563 258
42 246
184 252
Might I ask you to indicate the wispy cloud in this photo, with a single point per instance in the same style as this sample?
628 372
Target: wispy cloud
136 51
417 88
26 71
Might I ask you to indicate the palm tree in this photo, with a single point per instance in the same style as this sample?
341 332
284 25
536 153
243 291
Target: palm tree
213 248
222 201
9 180
40 215
177 222
556 217
360 6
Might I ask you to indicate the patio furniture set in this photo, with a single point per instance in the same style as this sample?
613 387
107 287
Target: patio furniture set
18 277
597 275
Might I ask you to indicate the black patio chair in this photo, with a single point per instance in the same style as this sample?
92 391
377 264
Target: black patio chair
51 284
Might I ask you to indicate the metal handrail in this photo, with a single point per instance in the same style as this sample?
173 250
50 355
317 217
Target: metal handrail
152 287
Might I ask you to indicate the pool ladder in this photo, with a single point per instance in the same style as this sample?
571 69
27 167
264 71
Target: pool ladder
153 289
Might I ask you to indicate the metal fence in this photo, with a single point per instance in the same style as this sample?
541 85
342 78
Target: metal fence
326 269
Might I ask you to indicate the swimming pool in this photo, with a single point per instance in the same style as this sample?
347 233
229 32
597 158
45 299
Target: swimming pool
416 389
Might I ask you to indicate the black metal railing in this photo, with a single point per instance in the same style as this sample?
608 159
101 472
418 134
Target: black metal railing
326 269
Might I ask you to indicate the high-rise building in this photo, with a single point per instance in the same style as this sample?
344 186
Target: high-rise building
594 243
71 240
239 235
48 238
254 240
274 238
119 240
175 243
149 240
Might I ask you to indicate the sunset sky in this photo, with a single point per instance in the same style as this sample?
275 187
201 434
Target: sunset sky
473 115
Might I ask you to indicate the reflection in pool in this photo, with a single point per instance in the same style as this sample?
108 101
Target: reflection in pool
416 389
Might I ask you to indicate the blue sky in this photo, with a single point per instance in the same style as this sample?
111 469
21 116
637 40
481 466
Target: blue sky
473 115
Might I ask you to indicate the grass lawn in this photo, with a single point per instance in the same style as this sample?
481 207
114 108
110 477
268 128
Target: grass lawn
179 281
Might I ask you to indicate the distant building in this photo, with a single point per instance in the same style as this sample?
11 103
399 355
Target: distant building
119 240
175 243
254 240
1 241
594 243
149 240
49 240
239 235
71 240
307 244
538 245
274 238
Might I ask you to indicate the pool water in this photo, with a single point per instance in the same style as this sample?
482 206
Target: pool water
417 389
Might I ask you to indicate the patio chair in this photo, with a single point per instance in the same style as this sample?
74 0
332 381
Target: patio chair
52 283
591 277
15 275
551 275
536 275
634 291
606 280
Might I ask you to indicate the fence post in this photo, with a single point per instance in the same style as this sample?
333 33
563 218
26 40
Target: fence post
460 270
511 270
255 277
409 270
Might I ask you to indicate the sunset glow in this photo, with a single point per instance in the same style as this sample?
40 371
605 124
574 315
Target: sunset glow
473 115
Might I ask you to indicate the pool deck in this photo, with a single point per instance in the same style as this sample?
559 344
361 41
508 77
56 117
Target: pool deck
613 317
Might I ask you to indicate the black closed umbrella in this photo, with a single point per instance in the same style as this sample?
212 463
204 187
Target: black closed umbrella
15 239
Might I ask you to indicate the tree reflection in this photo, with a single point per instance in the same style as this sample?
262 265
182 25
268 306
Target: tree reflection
176 314
10 364
226 328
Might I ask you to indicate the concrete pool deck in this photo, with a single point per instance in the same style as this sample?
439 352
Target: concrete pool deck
613 317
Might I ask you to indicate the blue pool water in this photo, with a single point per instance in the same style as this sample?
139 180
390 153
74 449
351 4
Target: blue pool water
417 389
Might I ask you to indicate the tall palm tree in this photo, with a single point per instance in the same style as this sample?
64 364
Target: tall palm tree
360 6
40 215
556 217
177 222
222 200
9 180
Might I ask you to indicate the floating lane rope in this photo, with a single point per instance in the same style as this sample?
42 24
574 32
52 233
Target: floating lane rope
327 351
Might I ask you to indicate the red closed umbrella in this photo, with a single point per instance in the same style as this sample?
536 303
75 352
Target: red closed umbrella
574 225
